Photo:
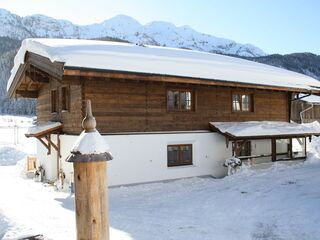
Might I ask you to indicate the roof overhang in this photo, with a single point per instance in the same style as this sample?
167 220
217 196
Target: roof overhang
44 129
43 133
55 58
264 130
140 76
32 74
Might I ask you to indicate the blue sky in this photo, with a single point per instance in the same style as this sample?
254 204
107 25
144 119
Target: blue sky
276 26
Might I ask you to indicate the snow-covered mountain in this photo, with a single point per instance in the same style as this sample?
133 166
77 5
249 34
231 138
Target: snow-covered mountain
124 28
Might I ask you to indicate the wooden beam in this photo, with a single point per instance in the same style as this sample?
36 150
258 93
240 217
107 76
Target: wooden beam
290 148
27 94
48 137
29 85
54 69
87 72
45 132
50 143
257 137
17 79
227 142
305 147
273 149
43 143
37 76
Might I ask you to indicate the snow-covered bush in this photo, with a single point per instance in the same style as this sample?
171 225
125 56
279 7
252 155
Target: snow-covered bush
233 164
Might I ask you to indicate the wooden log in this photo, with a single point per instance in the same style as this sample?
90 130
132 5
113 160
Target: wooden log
90 179
91 202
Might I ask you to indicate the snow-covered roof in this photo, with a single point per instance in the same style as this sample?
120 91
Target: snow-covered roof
312 99
160 60
265 128
43 128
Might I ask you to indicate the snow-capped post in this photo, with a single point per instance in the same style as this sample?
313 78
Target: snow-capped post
89 155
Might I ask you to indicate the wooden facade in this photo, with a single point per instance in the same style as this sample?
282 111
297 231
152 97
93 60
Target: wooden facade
67 117
141 106
310 112
137 102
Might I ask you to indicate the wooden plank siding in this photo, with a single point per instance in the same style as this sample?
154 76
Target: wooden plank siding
71 119
141 106
311 115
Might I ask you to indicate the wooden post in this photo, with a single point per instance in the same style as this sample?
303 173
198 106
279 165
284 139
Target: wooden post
290 149
89 156
273 150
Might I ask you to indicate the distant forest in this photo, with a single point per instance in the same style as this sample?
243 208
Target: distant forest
8 49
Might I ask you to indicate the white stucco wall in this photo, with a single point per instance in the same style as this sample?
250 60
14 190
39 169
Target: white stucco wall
261 147
143 157
48 162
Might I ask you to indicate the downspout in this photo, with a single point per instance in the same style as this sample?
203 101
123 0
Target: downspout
303 111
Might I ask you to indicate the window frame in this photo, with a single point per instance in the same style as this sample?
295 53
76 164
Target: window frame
245 146
54 100
240 94
181 90
180 163
67 96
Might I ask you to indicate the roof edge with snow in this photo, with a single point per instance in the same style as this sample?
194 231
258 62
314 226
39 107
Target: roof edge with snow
101 56
265 129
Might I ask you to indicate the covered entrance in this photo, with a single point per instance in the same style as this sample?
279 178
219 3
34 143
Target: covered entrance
267 140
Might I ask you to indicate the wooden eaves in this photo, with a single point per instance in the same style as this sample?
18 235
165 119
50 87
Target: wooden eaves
260 137
45 138
37 69
240 140
232 137
57 70
116 74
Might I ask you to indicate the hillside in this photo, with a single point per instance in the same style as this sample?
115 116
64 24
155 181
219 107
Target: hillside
305 63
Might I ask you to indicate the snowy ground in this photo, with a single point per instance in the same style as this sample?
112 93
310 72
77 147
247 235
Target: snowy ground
279 203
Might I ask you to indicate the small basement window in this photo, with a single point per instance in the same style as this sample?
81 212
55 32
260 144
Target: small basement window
179 155
65 98
242 102
54 98
180 100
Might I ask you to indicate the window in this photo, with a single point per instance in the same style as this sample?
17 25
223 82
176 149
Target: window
181 100
242 102
54 98
245 149
65 98
179 155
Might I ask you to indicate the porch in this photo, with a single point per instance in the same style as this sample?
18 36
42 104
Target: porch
267 141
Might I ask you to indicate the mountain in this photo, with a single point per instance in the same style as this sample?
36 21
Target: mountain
305 63
124 28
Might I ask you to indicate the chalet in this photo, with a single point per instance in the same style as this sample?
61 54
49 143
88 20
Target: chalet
166 113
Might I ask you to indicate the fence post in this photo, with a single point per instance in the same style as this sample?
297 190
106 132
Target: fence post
89 156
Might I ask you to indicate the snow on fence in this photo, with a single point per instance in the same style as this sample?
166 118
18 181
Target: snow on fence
13 128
